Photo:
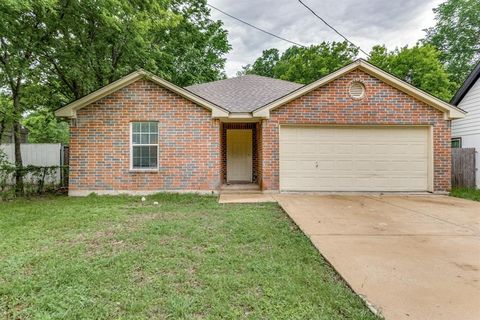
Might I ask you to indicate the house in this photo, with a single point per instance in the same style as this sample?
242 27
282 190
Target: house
466 131
356 129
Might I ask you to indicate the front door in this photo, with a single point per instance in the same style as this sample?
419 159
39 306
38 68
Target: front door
239 155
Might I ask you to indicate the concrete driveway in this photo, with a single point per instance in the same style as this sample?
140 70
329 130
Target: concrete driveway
410 257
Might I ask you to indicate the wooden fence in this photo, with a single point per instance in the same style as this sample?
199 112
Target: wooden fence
463 167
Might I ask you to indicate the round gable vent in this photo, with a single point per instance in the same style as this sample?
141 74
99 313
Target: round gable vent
357 90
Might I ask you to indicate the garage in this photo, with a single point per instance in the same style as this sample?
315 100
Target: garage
355 158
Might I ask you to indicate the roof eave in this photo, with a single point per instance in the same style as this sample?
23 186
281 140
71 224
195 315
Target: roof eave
70 110
467 85
451 112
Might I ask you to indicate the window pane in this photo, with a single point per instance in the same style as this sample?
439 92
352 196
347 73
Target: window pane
153 162
153 152
136 127
135 138
136 162
136 152
144 127
153 127
153 138
144 138
456 142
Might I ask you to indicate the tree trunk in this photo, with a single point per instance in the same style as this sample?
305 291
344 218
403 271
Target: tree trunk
17 136
3 124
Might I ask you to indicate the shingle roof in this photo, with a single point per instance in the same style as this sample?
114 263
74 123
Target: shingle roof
245 93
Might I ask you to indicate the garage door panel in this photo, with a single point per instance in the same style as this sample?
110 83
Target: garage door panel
344 165
354 158
344 149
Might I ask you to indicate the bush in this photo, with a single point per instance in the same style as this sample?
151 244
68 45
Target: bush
37 179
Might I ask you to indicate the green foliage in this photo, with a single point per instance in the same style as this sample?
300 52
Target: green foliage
188 257
96 42
194 49
44 127
471 194
52 52
264 65
37 179
419 66
303 65
457 36
6 115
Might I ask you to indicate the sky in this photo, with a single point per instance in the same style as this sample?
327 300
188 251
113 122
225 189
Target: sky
395 23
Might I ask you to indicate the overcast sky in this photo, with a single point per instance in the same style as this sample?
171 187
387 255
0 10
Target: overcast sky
365 22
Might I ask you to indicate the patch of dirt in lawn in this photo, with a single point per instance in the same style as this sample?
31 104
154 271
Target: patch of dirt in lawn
140 277
108 238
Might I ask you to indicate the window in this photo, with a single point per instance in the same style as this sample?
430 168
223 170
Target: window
456 142
144 152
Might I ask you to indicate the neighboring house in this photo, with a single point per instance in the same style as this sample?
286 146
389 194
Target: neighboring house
466 131
357 129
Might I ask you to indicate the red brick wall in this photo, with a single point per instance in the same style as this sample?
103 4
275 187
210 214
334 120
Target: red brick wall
331 104
189 142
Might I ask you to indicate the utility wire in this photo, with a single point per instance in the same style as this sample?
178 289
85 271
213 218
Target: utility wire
331 27
257 28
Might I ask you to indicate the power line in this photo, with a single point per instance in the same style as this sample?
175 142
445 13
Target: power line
331 27
259 29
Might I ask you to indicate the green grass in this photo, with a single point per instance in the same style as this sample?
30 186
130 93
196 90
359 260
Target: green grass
472 194
186 258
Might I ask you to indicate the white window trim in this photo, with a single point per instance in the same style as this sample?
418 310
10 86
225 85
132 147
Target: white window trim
144 145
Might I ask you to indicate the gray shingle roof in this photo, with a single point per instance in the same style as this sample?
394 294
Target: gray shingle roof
245 93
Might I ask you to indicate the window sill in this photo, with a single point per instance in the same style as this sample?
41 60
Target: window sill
143 170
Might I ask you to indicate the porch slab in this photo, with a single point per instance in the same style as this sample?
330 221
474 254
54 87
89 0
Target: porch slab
245 198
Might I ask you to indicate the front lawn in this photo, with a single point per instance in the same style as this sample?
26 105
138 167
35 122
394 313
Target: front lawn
472 194
186 258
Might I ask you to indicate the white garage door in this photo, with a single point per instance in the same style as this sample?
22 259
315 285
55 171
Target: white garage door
354 158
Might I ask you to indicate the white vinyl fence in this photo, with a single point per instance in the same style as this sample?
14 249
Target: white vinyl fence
37 154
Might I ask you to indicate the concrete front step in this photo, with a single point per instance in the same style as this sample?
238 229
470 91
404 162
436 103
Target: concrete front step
240 188
232 191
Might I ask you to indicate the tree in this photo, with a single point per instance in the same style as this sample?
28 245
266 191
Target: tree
456 35
6 115
196 46
44 127
52 52
264 65
304 65
95 42
419 66
21 33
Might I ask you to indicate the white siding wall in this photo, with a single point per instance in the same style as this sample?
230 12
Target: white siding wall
468 128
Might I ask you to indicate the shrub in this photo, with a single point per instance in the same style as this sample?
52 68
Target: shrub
37 179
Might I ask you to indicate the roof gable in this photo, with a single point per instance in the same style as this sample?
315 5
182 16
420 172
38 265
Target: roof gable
70 110
450 111
244 94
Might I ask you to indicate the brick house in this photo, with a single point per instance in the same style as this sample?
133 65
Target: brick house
356 129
